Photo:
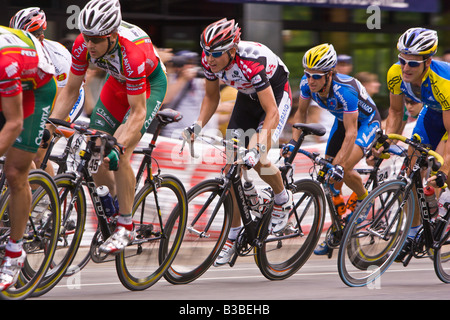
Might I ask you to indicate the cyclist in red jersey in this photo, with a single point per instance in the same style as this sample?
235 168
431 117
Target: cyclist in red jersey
27 93
261 110
133 93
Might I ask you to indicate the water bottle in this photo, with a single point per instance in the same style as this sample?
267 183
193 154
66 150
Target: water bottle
445 197
252 195
430 197
107 200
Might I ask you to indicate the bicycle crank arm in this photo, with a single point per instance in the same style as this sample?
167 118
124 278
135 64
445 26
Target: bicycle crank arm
201 234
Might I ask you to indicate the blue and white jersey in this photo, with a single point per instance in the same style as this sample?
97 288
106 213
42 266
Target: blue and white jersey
347 95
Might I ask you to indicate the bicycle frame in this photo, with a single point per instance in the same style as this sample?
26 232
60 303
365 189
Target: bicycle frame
432 232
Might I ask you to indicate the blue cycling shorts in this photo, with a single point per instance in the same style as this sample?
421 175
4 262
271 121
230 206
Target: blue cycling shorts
366 133
430 127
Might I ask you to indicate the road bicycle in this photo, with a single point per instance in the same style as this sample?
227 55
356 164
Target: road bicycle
161 202
278 256
379 227
41 233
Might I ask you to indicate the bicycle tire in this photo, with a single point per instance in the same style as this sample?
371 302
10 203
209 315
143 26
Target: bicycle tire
41 234
375 234
284 254
71 232
441 257
140 267
200 249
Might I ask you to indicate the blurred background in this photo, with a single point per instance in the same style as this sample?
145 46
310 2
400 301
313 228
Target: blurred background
364 36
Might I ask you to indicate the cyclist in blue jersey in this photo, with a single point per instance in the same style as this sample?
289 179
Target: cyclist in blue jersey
421 79
357 117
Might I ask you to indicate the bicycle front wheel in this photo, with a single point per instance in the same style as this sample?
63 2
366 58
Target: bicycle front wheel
41 233
159 215
375 234
73 219
283 254
442 256
209 221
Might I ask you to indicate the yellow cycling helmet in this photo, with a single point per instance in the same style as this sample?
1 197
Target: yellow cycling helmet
322 58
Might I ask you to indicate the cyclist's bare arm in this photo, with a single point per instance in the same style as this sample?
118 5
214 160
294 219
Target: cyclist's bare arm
300 115
130 134
269 105
68 97
394 120
395 116
210 102
13 113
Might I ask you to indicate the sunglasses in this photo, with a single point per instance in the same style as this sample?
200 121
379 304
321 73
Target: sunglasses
94 40
216 54
411 63
315 76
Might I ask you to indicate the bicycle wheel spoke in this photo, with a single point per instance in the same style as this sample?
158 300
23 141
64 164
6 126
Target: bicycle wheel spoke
159 224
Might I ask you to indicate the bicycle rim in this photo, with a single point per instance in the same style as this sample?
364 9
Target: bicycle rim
283 254
41 234
442 256
71 232
200 247
375 234
142 264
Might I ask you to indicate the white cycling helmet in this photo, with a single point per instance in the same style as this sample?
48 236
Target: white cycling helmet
100 17
418 41
321 58
29 19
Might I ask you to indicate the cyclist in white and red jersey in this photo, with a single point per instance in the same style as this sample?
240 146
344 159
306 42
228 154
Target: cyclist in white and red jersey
33 20
262 106
133 93
27 94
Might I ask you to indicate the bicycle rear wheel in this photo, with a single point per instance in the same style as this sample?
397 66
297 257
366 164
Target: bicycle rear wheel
283 254
72 227
208 225
41 234
375 234
160 221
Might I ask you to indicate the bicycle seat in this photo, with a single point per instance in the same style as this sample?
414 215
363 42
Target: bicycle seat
167 116
311 128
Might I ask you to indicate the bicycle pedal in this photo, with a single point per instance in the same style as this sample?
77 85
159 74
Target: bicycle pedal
330 253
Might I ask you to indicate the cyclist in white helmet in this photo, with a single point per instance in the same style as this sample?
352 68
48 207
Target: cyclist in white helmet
259 115
420 78
131 96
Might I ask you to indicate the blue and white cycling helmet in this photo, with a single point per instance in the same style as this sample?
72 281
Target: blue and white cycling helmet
418 41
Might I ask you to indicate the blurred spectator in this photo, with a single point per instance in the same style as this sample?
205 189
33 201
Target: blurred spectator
165 54
369 81
344 64
185 92
445 56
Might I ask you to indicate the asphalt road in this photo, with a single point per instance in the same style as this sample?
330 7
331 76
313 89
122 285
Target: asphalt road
317 280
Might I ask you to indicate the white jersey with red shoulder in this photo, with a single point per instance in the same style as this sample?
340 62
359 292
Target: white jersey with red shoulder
60 58
254 68
131 61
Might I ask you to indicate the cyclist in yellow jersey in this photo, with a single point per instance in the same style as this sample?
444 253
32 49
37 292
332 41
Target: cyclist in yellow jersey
421 79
